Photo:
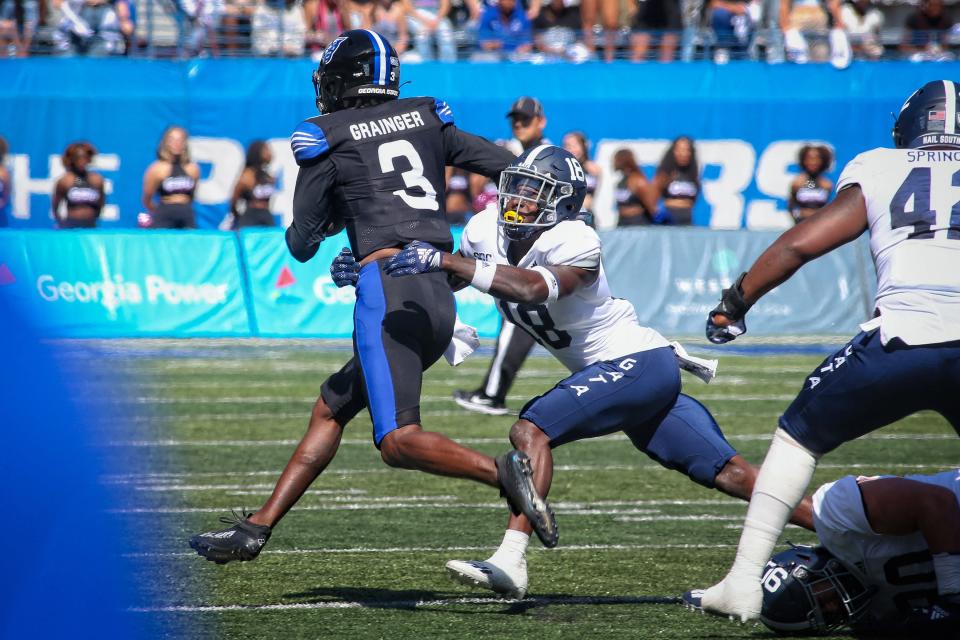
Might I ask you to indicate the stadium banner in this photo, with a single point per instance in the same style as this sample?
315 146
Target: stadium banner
82 284
748 119
290 298
674 277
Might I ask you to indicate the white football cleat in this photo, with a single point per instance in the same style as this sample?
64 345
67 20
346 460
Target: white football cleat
737 599
508 580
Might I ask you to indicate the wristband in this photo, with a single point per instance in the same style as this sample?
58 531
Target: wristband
553 289
483 275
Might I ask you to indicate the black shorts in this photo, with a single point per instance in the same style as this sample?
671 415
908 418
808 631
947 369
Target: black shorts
657 15
255 217
174 216
401 326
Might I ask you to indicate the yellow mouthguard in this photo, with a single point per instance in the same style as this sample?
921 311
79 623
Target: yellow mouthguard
512 216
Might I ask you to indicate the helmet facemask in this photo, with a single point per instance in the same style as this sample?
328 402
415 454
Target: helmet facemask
528 201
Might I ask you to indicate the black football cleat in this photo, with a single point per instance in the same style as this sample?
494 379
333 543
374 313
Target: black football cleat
515 475
242 541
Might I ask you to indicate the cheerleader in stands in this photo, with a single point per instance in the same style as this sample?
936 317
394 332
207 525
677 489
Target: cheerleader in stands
250 203
171 178
79 189
677 182
810 190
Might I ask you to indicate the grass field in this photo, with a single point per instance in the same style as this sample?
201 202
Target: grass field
209 425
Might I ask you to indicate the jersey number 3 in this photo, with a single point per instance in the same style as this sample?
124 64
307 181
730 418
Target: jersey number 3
916 188
413 178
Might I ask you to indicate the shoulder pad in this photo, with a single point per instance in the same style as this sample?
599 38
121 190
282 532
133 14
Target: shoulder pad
308 141
443 111
572 243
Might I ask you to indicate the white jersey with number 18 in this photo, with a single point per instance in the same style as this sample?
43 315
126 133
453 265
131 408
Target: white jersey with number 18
585 327
913 209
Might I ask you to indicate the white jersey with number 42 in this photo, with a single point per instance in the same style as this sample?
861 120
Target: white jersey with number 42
585 327
913 208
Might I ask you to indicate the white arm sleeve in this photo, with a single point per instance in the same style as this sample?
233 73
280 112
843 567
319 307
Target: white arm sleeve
854 173
838 511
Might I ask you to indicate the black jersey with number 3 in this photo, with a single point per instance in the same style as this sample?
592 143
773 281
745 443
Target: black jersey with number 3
379 172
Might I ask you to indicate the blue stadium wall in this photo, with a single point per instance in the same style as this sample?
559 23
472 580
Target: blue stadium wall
749 120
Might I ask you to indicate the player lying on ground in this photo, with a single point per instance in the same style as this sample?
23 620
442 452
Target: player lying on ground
906 359
884 567
375 163
545 268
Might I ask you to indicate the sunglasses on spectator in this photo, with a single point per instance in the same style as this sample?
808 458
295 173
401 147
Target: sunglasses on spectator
523 121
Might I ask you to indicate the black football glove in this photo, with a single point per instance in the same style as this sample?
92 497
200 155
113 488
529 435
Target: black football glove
345 270
733 306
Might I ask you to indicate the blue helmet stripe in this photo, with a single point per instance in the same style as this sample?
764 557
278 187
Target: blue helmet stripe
381 57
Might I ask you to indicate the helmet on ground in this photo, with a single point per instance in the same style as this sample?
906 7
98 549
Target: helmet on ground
806 589
929 118
358 66
543 186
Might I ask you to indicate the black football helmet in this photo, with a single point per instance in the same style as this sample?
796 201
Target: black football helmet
357 64
929 118
806 589
543 186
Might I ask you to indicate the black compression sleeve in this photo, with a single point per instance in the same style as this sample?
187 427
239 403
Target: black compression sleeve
312 210
473 153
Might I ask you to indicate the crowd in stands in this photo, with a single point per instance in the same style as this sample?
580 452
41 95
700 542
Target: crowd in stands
491 30
666 197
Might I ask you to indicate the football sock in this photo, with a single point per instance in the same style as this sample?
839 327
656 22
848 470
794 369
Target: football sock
783 478
513 548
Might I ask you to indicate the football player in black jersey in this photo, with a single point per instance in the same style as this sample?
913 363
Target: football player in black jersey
374 163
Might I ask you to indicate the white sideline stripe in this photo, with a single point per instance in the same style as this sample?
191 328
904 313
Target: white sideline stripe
356 493
172 478
407 604
535 549
611 438
691 518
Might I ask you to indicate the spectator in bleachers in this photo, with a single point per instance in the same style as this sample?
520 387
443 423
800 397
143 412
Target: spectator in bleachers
504 32
609 11
655 19
464 16
279 27
88 27
810 190
527 122
250 204
635 202
430 25
126 11
358 14
459 201
677 182
732 26
863 22
391 20
324 22
6 187
18 23
199 24
556 30
172 179
814 32
576 143
79 189
926 31
237 25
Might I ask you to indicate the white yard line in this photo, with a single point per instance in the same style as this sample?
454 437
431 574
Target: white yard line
459 549
610 438
411 604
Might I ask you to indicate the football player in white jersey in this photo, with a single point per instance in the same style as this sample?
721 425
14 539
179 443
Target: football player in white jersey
906 359
544 267
874 572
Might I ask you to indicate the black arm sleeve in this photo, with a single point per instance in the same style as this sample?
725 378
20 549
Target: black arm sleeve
473 153
313 215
